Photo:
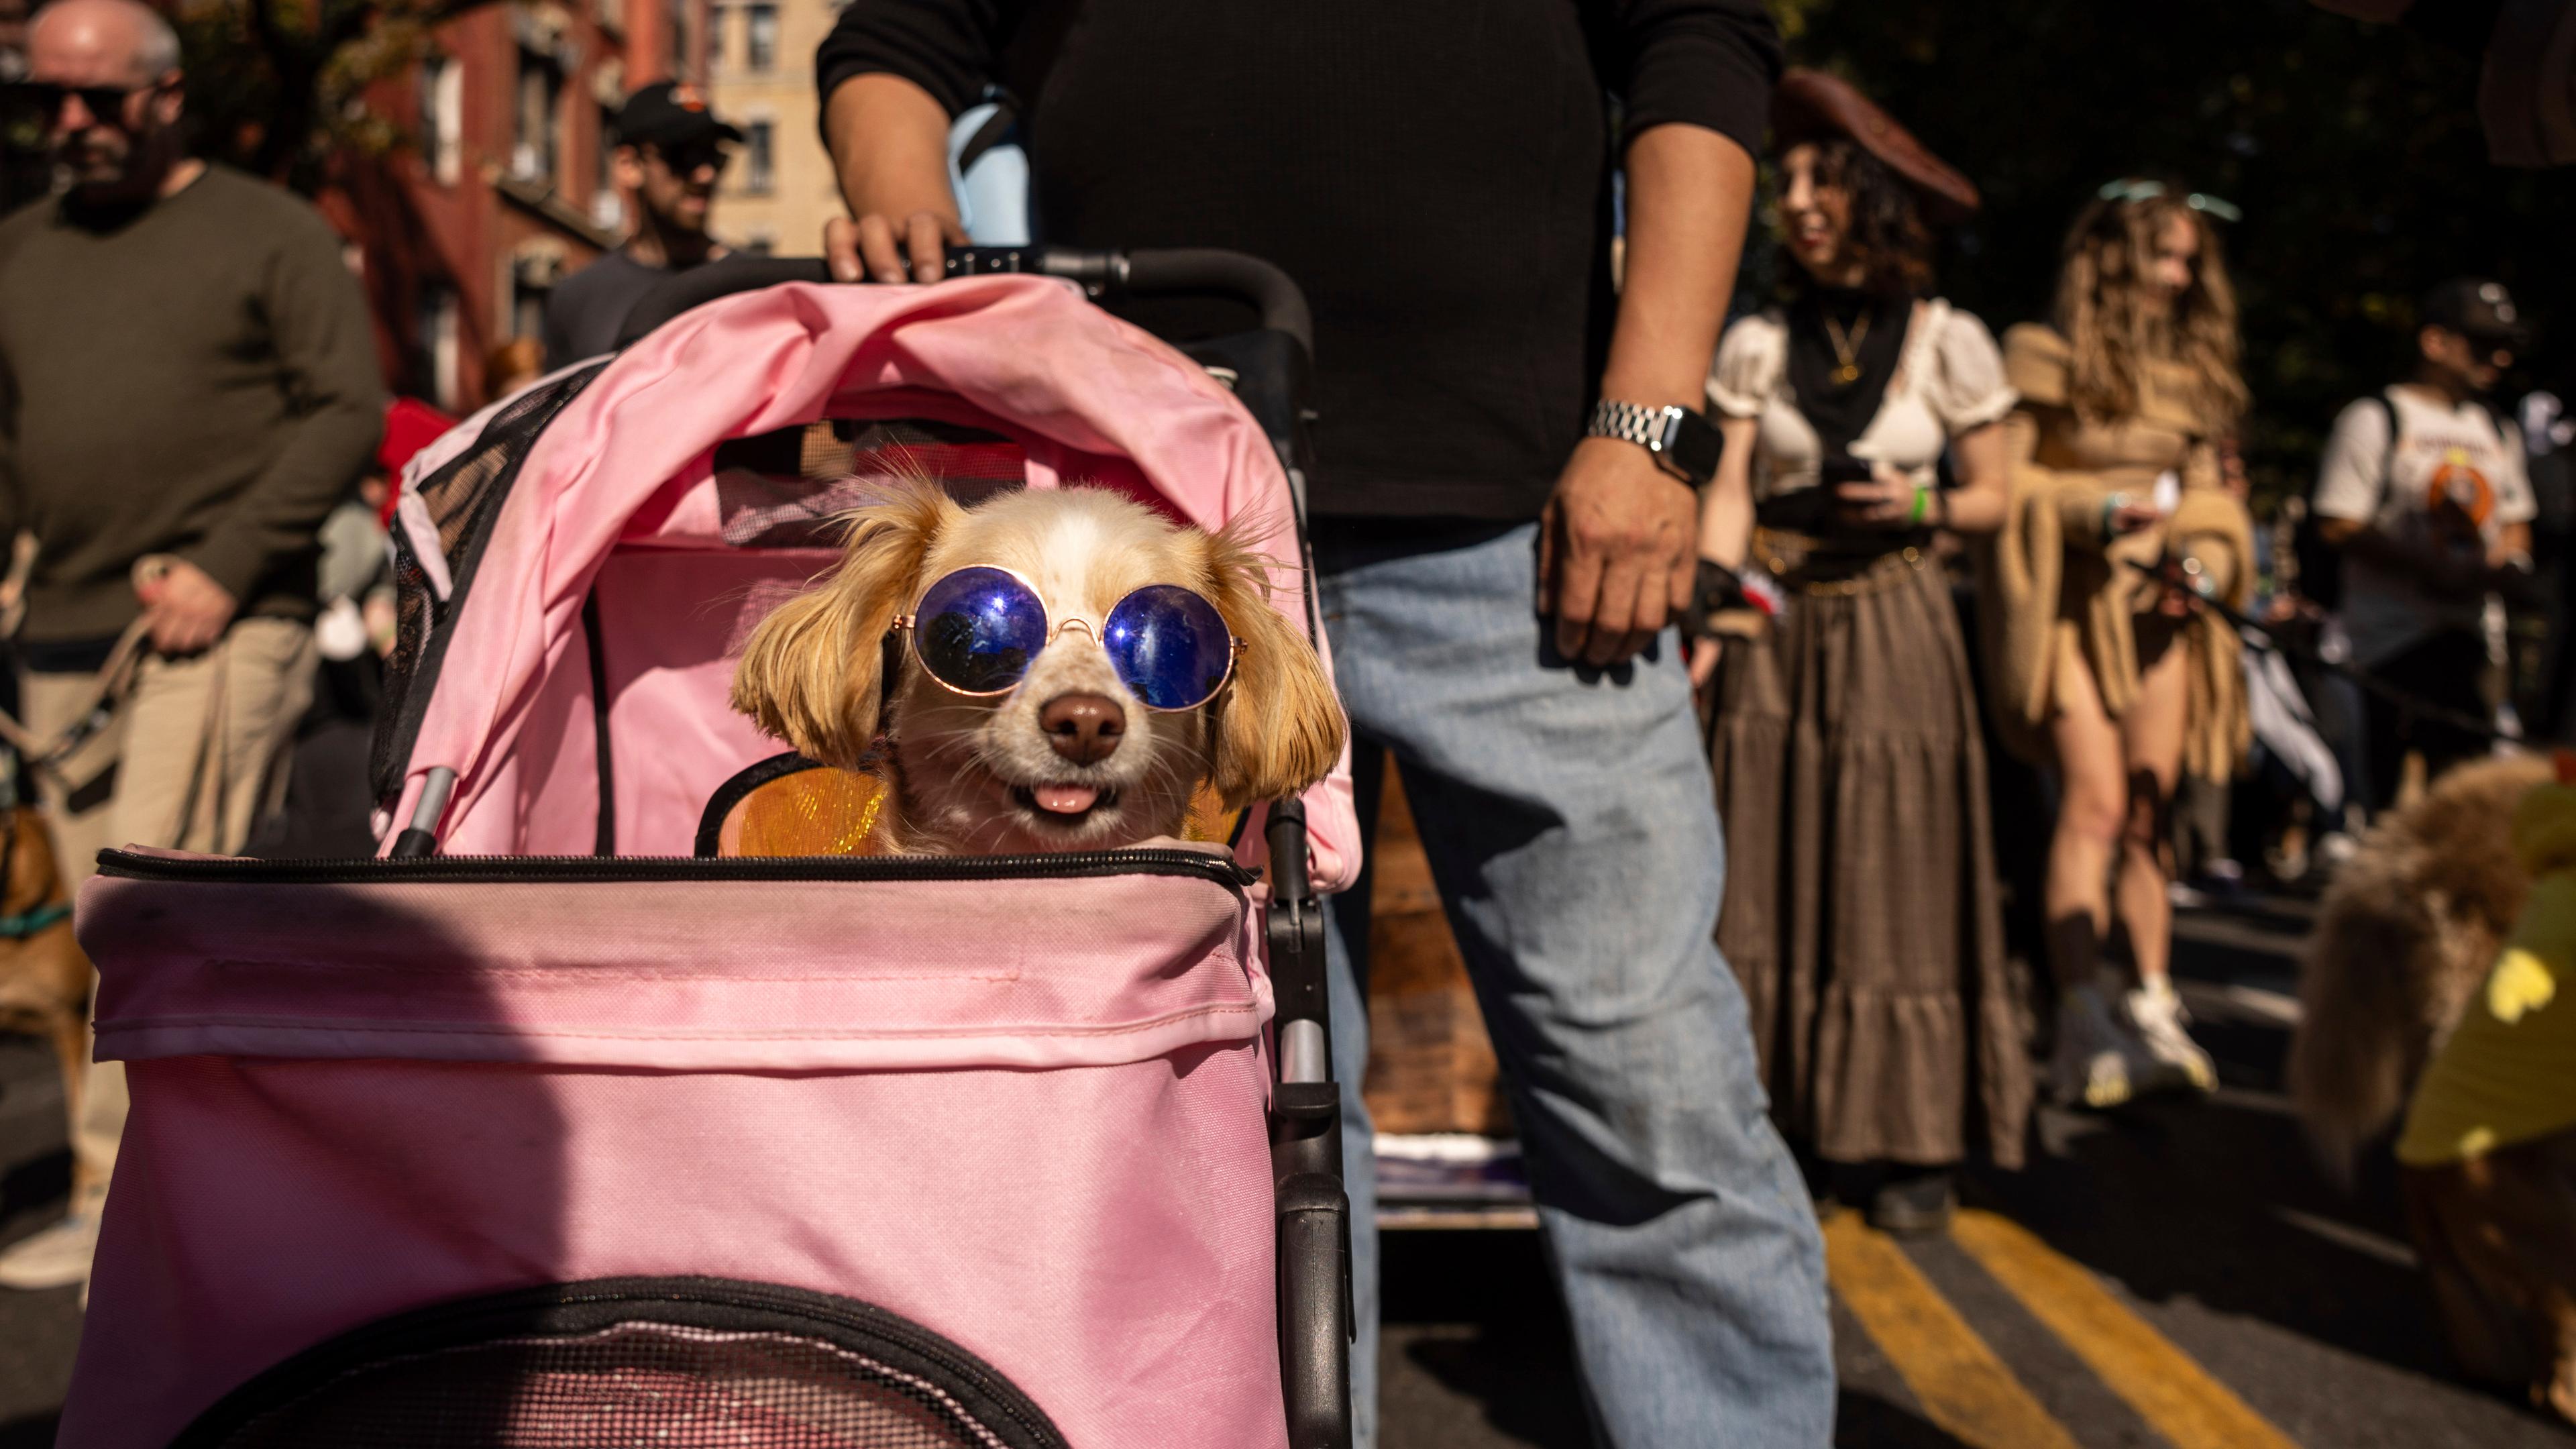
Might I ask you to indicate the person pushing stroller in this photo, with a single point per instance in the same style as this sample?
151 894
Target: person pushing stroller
1554 763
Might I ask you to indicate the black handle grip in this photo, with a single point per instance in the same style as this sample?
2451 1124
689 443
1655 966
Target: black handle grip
1314 1311
1174 272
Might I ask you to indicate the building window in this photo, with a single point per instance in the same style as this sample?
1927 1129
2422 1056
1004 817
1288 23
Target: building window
759 156
607 208
528 303
760 37
442 118
719 38
683 64
434 343
539 150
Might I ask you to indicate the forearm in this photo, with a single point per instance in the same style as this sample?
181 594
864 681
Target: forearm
2361 539
281 512
889 144
1726 507
1977 505
1690 191
2513 541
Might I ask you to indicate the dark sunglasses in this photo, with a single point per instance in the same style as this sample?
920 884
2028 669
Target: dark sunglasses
978 629
43 100
685 160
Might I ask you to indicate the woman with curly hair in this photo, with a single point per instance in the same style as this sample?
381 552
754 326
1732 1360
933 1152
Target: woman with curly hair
2101 660
1861 907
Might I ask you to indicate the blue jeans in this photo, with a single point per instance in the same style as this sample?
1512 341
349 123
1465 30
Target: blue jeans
1569 823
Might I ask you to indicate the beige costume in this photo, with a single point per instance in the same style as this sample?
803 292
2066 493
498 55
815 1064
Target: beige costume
2058 588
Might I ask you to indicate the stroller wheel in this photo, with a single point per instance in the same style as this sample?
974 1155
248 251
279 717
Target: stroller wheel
677 1363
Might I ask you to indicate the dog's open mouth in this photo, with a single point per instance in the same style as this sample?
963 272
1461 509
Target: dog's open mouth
1070 804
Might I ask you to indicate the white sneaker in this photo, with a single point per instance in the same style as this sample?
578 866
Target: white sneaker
58 1257
2099 1061
2158 1016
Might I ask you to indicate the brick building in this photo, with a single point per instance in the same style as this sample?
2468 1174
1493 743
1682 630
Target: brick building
760 64
506 190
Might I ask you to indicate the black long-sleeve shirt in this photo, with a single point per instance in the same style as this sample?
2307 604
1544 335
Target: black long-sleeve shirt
1434 173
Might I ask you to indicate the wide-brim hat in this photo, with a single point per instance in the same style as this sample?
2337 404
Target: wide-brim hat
1809 105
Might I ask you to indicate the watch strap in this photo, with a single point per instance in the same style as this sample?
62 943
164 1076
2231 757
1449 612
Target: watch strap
1682 442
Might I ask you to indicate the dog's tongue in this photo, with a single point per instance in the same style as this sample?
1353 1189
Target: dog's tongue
1065 799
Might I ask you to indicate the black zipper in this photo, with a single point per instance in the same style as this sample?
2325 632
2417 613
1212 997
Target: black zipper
556 1312
597 869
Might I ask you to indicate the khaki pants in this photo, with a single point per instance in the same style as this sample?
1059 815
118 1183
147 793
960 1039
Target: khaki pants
193 761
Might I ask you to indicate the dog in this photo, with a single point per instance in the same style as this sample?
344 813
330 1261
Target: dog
2408 929
44 977
2408 938
1068 756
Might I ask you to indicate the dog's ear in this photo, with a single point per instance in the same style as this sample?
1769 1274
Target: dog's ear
811 673
1278 726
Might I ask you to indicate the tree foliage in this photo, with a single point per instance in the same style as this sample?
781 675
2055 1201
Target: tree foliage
278 86
2353 149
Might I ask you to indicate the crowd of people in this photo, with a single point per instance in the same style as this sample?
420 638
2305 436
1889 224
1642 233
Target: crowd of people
1715 945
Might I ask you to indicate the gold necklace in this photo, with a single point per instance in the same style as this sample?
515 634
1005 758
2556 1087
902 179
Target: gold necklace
1847 347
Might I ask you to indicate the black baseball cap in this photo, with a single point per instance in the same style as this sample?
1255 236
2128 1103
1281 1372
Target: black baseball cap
2480 310
670 114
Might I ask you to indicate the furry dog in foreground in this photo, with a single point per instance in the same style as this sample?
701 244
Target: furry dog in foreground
2408 930
1067 667
2435 949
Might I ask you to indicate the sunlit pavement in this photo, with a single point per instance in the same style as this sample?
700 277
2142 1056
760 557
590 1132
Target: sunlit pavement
2180 1275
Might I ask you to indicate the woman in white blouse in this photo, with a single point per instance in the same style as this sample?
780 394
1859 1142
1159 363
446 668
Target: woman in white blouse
1861 908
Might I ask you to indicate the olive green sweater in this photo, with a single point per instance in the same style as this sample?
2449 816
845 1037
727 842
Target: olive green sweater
195 379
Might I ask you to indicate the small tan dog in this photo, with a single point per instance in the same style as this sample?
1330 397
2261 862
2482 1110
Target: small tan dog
1070 667
44 978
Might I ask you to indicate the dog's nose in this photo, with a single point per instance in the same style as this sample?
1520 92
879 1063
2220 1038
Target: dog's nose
1083 727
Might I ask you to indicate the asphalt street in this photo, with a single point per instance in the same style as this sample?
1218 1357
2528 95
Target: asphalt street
2179 1276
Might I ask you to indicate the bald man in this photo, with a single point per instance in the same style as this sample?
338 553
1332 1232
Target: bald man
188 385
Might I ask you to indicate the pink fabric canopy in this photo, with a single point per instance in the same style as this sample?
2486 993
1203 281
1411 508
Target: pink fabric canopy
629 462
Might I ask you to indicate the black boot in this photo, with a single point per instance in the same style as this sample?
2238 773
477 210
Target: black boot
1913 1201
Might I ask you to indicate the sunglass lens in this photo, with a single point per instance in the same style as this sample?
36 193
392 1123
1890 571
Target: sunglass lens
1169 645
977 629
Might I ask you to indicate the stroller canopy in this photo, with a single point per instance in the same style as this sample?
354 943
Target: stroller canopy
627 562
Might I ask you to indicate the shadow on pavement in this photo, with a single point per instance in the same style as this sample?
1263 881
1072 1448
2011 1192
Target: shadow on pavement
1474 1319
2221 1202
40 1182
1862 1421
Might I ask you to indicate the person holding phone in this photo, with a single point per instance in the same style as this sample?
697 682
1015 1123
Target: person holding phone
1861 910
2102 655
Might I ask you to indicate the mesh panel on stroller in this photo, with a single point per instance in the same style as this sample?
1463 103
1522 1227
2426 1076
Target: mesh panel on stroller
559 1136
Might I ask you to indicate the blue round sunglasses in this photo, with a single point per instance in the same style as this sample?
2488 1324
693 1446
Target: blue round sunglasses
977 630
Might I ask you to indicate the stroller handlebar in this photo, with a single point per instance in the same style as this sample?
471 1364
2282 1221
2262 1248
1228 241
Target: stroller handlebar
1104 274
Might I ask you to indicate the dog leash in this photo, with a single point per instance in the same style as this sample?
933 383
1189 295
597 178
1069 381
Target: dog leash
107 692
2254 635
115 678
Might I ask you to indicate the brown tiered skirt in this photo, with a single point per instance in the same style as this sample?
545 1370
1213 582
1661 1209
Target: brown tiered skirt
1862 910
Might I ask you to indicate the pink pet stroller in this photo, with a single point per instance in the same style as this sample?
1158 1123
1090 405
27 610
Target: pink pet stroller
540 1131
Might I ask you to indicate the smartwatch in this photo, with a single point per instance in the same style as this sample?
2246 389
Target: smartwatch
1684 444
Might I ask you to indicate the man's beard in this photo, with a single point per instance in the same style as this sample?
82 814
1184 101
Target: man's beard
126 169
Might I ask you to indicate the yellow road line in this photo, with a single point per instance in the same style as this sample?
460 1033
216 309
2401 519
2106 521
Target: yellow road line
1957 1379
2176 1396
